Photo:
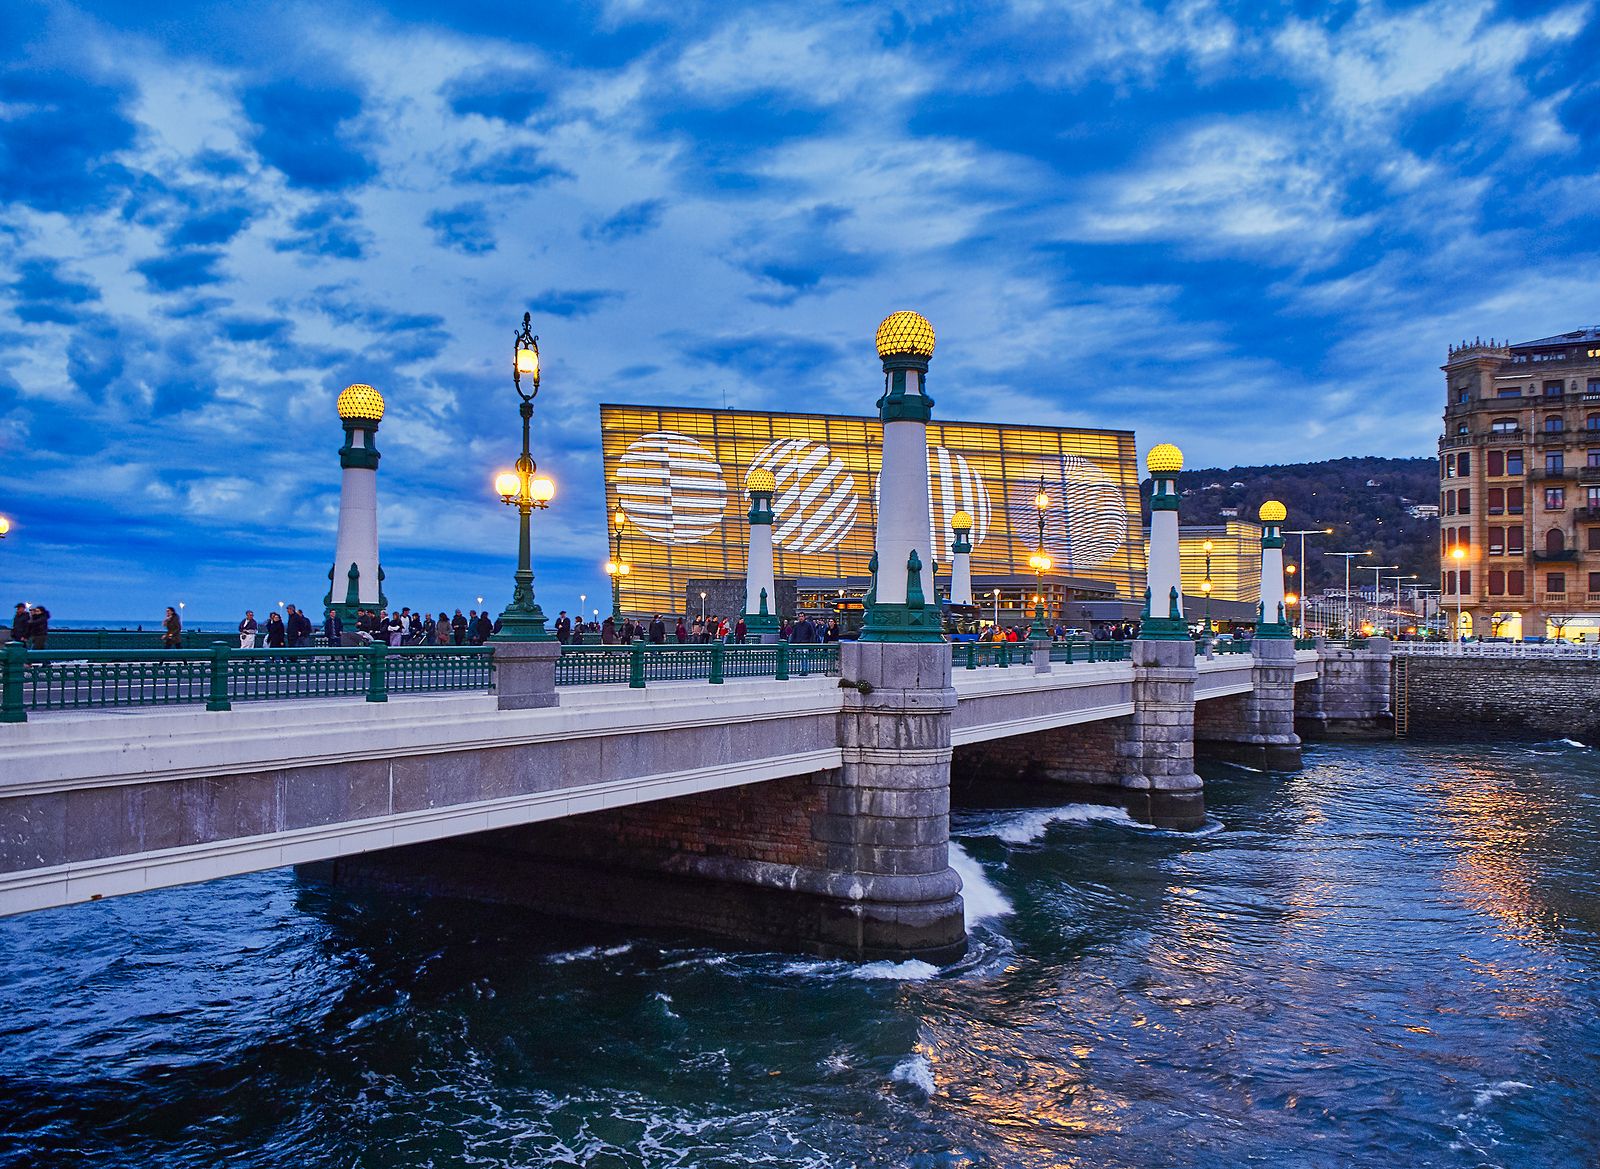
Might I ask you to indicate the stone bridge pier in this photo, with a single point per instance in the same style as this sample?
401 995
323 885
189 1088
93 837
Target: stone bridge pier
1256 728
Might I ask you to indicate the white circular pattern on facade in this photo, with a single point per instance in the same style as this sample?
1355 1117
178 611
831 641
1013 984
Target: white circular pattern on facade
671 487
814 505
954 486
1087 521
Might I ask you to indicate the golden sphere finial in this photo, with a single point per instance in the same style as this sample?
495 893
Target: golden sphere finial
1273 512
961 521
760 480
359 402
1164 459
905 334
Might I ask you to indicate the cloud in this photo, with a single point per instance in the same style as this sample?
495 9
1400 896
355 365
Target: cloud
331 229
633 220
212 227
498 94
44 296
313 135
175 271
464 228
574 302
60 134
521 166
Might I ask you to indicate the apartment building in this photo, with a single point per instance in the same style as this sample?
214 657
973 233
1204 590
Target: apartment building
1519 490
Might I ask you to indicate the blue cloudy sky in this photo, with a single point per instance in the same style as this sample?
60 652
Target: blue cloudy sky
1251 230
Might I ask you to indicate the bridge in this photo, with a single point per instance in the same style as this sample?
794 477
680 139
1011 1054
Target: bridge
713 800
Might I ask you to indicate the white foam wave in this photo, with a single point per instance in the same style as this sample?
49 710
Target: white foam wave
980 898
1483 1097
590 952
1026 827
915 1070
1571 743
912 970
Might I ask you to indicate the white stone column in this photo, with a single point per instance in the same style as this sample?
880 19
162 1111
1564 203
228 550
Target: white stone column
360 410
1164 576
961 559
1274 623
760 584
902 605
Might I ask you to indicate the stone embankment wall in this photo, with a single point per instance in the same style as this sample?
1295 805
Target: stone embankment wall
1473 698
1350 698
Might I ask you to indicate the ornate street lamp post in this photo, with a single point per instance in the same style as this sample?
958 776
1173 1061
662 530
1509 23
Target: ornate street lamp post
1205 589
617 567
1040 561
524 490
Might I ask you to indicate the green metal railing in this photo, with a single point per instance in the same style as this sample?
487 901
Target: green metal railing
115 639
971 655
640 663
65 679
1305 643
1230 647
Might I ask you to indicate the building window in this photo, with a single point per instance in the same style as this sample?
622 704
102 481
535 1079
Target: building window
1504 426
1594 383
1513 462
1450 583
1514 500
1449 503
1461 395
1497 541
1449 466
1554 462
1594 582
1464 501
1497 583
1555 542
1553 389
1464 463
1497 462
1555 582
1594 539
1466 581
1514 541
1555 498
1592 497
1509 392
1497 501
1592 422
1461 428
1515 583
1553 424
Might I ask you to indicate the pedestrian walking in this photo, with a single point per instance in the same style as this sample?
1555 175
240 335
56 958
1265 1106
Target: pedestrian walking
277 635
19 622
333 628
171 630
248 630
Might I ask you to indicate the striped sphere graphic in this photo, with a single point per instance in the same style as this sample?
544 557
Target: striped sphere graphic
671 487
952 486
1087 521
814 504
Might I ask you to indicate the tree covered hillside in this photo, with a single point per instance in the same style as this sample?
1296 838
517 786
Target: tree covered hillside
1364 501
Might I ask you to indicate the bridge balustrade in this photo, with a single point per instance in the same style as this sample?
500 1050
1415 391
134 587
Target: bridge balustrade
65 679
972 655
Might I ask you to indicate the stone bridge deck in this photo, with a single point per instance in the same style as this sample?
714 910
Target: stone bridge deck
97 805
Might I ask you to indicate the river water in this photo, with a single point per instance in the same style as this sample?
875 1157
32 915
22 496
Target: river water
1391 959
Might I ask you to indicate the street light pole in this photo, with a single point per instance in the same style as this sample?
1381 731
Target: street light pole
1301 570
1377 571
996 594
526 491
1458 554
617 567
1205 589
1348 557
1397 578
1040 561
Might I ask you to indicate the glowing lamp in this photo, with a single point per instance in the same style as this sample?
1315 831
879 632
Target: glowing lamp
1458 553
624 569
528 361
5 526
543 489
619 520
1041 501
905 334
507 484
611 568
1273 512
1164 459
961 521
760 482
1205 587
1207 547
1291 599
359 402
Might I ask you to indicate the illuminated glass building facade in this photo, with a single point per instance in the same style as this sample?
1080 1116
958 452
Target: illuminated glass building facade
1235 560
678 475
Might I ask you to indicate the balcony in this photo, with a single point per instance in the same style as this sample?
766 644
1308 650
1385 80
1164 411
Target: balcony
1587 514
1552 473
1566 555
1588 474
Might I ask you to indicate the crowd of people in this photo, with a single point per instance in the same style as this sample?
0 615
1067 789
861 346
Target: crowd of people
293 628
30 624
